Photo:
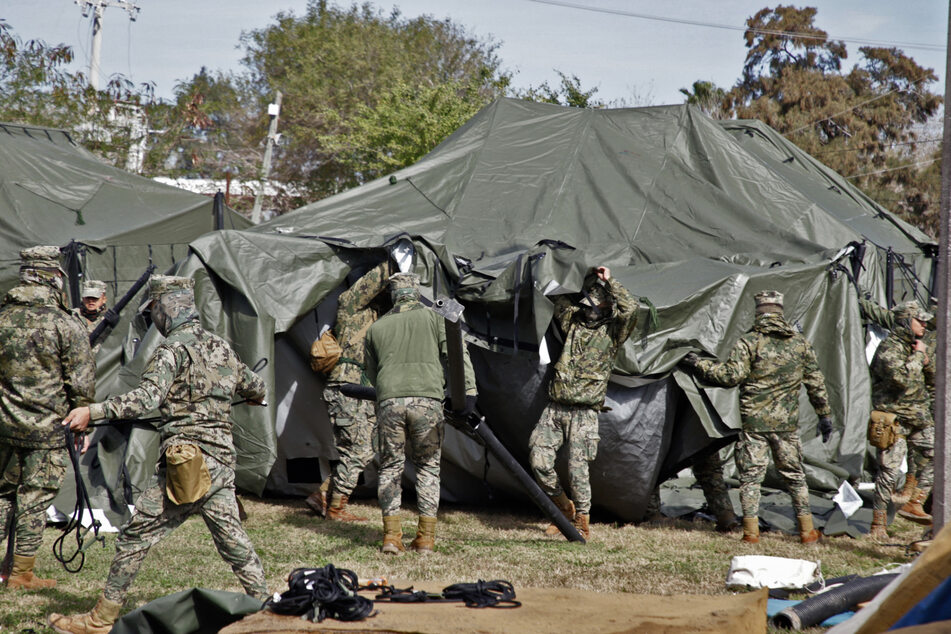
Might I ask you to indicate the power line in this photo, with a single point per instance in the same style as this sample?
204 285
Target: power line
730 27
895 169
855 149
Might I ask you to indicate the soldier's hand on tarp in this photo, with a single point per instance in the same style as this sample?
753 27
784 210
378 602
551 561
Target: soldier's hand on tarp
689 362
111 317
824 428
470 405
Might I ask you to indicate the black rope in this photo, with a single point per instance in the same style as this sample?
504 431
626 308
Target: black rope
481 594
317 594
74 524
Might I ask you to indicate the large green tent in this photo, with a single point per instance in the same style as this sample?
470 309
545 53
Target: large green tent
512 209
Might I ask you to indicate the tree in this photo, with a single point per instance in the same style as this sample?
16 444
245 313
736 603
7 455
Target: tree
706 96
864 123
568 93
364 93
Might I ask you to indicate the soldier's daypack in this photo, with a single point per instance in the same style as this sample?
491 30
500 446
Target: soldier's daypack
883 429
324 353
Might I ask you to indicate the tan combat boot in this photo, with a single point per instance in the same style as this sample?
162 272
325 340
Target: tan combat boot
581 523
317 501
392 535
425 535
99 620
751 530
337 510
567 507
913 511
911 483
807 534
21 575
878 531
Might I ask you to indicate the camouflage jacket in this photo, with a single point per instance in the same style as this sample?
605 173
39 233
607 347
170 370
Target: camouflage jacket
356 310
192 378
46 367
770 363
898 379
584 367
885 318
405 351
90 326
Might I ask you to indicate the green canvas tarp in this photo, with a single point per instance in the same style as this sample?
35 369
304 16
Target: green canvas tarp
511 210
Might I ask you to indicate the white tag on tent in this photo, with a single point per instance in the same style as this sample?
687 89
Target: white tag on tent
543 357
847 499
760 571
876 336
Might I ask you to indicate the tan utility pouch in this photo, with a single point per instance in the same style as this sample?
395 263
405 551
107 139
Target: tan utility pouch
883 429
186 474
324 353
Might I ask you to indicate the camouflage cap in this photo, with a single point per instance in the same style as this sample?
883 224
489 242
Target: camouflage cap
93 288
404 284
162 284
911 310
40 257
764 298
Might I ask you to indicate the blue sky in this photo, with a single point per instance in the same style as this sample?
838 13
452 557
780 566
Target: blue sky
639 60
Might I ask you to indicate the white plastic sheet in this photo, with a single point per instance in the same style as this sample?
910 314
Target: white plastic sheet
760 571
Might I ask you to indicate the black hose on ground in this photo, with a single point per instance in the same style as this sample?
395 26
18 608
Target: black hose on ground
817 609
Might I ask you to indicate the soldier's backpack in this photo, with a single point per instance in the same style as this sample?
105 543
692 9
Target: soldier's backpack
324 353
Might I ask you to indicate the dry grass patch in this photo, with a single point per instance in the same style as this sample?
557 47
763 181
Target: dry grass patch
684 558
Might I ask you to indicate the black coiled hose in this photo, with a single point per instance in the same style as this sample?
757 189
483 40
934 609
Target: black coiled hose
817 609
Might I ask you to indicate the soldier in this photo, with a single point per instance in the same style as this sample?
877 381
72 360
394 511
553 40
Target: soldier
770 364
353 419
93 308
594 328
402 353
708 470
46 368
191 379
899 387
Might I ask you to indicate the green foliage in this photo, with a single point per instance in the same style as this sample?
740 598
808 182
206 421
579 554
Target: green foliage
706 96
568 93
865 122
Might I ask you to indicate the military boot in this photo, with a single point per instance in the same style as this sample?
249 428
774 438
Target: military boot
317 501
807 534
751 530
911 483
581 523
392 535
727 521
567 507
878 531
913 511
21 575
337 510
425 535
99 620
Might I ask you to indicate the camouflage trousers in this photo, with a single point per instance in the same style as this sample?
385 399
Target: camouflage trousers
354 426
30 480
415 421
919 447
576 427
752 457
708 470
156 516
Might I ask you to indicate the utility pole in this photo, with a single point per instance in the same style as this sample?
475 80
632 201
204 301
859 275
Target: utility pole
941 505
98 8
274 111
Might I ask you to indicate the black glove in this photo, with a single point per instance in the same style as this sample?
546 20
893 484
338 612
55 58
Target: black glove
824 428
111 317
689 362
362 392
470 404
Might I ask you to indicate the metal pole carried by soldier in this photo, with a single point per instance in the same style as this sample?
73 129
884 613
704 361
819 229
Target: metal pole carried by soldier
92 308
770 364
900 370
594 327
46 368
191 379
353 419
404 354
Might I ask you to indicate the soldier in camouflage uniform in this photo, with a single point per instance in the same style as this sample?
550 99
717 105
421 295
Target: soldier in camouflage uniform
594 328
403 352
93 308
899 386
46 368
708 471
770 364
353 419
191 379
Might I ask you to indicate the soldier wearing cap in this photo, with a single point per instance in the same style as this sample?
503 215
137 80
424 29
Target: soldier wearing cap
353 419
191 379
403 353
46 368
93 307
770 364
900 386
594 327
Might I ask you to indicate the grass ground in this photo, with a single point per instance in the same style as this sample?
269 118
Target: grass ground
684 558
